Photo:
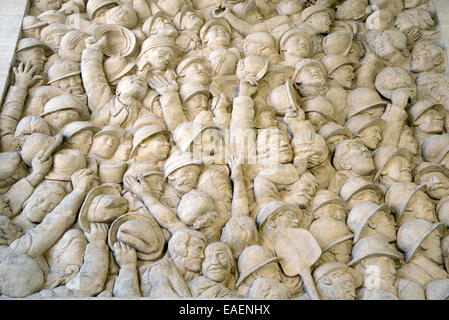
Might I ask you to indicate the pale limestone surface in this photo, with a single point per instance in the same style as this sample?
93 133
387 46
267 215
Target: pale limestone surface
224 149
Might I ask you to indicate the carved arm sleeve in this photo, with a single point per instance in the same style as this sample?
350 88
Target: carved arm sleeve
127 282
172 109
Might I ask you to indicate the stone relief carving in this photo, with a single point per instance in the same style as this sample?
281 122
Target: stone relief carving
226 149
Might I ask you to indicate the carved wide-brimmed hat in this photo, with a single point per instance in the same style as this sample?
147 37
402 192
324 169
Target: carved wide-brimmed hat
274 207
116 67
360 122
292 33
284 97
31 22
65 163
373 247
252 259
187 62
69 43
178 160
332 129
63 69
212 22
412 233
29 125
186 132
103 204
94 5
327 267
392 78
66 102
359 216
128 224
188 90
321 228
307 12
146 28
416 110
29 43
111 171
427 167
383 155
156 41
400 194
320 105
435 148
334 61
144 133
354 185
362 99
124 40
438 290
325 197
34 143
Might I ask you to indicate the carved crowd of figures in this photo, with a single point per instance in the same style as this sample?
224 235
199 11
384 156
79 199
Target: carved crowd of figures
285 149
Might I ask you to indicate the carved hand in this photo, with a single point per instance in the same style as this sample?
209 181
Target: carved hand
161 84
25 75
83 180
124 254
93 43
41 166
137 186
247 88
98 232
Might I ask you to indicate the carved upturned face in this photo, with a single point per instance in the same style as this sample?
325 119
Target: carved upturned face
159 58
191 21
217 36
195 254
58 119
419 207
164 27
371 136
289 7
378 272
184 179
358 159
320 21
197 103
344 76
36 56
367 195
311 76
431 121
387 45
197 72
53 40
217 263
431 247
398 169
424 59
81 141
437 184
41 203
155 147
298 46
336 285
72 84
381 225
277 149
104 146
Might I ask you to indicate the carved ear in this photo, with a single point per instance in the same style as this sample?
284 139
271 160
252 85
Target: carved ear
345 164
271 221
438 59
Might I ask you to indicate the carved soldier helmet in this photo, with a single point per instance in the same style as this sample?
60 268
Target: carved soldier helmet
178 160
116 67
94 5
146 28
329 232
438 290
29 43
66 102
156 41
294 33
76 127
115 16
400 194
69 43
252 259
308 12
35 143
305 63
412 233
325 197
31 22
54 28
416 110
359 216
337 43
383 155
362 99
144 133
180 69
334 129
178 17
63 69
111 130
103 204
188 90
186 132
373 247
284 97
243 9
392 78
354 185
327 267
212 22
320 105
274 207
52 17
358 123
426 167
435 148
29 125
334 61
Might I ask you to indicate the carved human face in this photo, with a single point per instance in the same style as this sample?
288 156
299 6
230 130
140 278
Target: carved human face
286 219
374 112
195 255
8 231
306 190
216 264
270 271
36 56
132 87
277 149
155 147
104 146
437 184
378 272
155 182
381 225
191 21
331 211
408 141
361 161
384 47
81 141
371 136
159 58
320 21
289 7
197 72
5 209
431 121
367 195
422 60
58 119
398 169
342 251
311 76
313 152
258 49
431 246
336 285
298 46
317 119
197 103
184 179
419 207
218 36
351 10
163 27
41 203
334 140
53 40
72 85
344 76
